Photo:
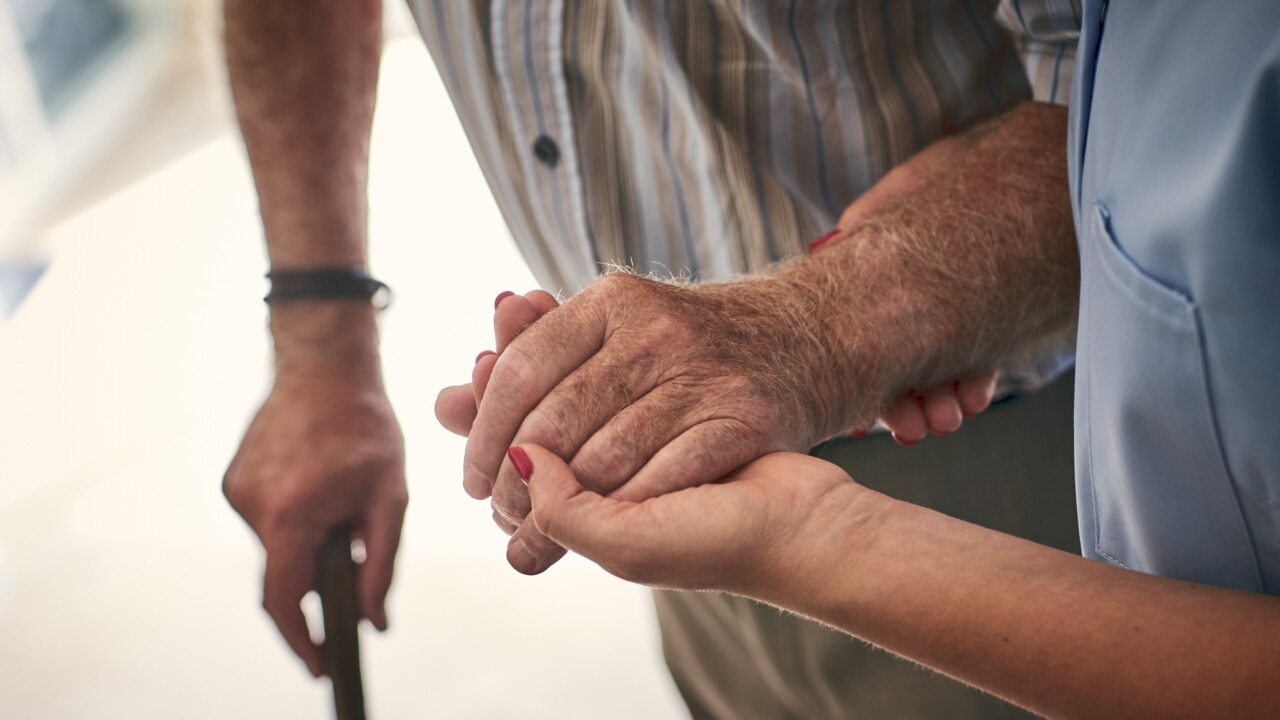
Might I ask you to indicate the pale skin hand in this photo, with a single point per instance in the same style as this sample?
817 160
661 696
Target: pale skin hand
325 448
1055 633
662 387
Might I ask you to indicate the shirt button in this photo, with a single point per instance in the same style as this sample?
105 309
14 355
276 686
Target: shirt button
546 150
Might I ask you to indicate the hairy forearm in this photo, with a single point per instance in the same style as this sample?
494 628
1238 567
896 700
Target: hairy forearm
303 76
1059 634
966 263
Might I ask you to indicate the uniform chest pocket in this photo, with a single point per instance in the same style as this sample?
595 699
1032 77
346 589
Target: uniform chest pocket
1155 493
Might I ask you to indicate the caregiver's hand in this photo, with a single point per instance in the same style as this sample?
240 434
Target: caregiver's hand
743 535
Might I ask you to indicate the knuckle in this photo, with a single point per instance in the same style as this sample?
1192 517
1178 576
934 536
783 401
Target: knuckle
549 521
604 468
512 377
616 282
720 447
473 467
623 289
502 522
539 544
663 328
397 497
551 425
288 508
699 466
510 506
659 340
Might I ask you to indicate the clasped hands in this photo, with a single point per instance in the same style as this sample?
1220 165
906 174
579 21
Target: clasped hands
664 424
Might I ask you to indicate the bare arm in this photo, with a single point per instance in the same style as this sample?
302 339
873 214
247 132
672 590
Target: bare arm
959 259
1052 632
325 448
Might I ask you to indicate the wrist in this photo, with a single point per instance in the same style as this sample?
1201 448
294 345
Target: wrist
810 319
825 565
771 328
326 341
872 335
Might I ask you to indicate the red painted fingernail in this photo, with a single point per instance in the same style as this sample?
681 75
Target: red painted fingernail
819 242
858 433
486 352
501 296
524 466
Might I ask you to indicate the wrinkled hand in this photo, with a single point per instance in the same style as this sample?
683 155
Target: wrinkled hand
650 385
939 410
739 535
456 406
316 457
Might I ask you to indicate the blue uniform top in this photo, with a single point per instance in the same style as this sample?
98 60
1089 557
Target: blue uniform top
1175 177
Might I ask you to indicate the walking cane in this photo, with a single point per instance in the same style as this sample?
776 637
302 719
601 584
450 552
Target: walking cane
338 602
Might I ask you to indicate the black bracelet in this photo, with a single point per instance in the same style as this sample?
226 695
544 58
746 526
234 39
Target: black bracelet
327 283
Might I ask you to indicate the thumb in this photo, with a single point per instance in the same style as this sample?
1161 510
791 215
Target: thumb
563 510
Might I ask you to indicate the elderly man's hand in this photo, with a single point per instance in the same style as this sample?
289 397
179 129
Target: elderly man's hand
653 385
646 388
320 455
939 410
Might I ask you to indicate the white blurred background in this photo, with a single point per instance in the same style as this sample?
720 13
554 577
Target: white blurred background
133 352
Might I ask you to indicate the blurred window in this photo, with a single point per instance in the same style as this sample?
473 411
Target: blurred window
63 39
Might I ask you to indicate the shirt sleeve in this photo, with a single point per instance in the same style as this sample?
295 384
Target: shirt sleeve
1045 33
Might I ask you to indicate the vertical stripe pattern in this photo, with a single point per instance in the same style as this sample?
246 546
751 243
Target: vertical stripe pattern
709 138
1045 33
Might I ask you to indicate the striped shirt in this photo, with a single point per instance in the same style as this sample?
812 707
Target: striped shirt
710 138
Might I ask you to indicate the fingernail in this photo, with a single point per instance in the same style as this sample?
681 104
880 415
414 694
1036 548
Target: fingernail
520 459
904 443
501 296
819 242
858 433
486 352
